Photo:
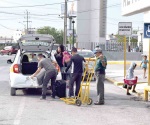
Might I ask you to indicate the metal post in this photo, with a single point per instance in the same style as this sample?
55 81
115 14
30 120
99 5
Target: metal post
70 23
125 56
149 65
70 27
27 21
129 48
65 24
73 34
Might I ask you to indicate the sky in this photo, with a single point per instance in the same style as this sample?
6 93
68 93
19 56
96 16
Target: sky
10 15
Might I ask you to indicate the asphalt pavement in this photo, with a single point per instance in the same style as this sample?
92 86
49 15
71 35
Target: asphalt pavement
27 109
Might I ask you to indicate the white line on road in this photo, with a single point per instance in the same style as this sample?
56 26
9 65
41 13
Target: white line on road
20 111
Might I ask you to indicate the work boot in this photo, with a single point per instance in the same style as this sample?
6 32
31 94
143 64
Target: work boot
128 93
43 98
99 103
134 91
53 96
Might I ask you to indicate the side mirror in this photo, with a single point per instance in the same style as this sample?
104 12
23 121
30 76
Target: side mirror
9 61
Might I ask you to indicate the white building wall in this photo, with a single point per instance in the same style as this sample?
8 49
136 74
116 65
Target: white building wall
17 35
146 41
91 23
94 21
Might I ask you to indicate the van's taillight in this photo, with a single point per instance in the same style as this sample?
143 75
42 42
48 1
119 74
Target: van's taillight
16 68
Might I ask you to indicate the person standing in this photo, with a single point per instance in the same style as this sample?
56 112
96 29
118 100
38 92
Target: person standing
100 75
59 56
144 65
77 69
66 62
49 74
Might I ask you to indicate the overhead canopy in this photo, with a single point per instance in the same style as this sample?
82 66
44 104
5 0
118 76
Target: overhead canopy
132 7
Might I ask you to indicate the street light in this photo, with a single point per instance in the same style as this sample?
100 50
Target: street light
73 22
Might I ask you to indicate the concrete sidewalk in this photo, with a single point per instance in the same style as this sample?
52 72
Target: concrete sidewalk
115 74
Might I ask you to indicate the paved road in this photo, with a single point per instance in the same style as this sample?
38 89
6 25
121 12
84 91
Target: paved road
29 110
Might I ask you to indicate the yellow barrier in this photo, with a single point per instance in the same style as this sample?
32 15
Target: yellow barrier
146 90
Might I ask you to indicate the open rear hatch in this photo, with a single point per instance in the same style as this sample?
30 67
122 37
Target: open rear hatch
36 43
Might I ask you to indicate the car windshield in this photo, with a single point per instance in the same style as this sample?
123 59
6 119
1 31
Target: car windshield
86 54
35 43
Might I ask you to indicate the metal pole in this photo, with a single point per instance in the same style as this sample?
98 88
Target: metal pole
125 56
149 65
27 21
70 21
73 34
65 24
129 44
70 27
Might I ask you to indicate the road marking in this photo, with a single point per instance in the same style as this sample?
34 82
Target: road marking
20 111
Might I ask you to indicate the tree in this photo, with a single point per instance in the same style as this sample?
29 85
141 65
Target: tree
120 38
57 34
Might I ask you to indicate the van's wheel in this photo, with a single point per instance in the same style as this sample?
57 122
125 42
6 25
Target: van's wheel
78 102
12 91
90 101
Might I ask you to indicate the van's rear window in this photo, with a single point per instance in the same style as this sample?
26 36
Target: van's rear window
35 43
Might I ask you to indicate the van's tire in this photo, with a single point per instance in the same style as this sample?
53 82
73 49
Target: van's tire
12 91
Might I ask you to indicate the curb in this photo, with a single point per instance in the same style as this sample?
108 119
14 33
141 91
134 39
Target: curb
138 94
114 81
119 83
122 62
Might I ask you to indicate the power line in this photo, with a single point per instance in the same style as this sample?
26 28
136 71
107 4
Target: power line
11 13
9 19
30 14
37 5
6 27
114 5
10 2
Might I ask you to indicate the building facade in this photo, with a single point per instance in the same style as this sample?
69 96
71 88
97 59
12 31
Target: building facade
91 23
132 7
16 35
6 40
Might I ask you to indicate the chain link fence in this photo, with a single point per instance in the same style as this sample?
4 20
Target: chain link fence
111 46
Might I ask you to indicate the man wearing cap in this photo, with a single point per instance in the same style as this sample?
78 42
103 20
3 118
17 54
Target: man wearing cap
100 74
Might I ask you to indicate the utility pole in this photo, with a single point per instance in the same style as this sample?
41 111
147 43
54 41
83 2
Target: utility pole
65 24
27 21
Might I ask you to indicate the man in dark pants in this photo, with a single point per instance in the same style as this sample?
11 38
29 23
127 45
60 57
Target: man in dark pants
100 74
50 74
77 69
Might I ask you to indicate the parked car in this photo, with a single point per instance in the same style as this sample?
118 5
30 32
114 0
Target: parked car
8 50
86 53
22 66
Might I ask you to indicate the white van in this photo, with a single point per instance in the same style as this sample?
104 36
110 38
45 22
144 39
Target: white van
23 65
